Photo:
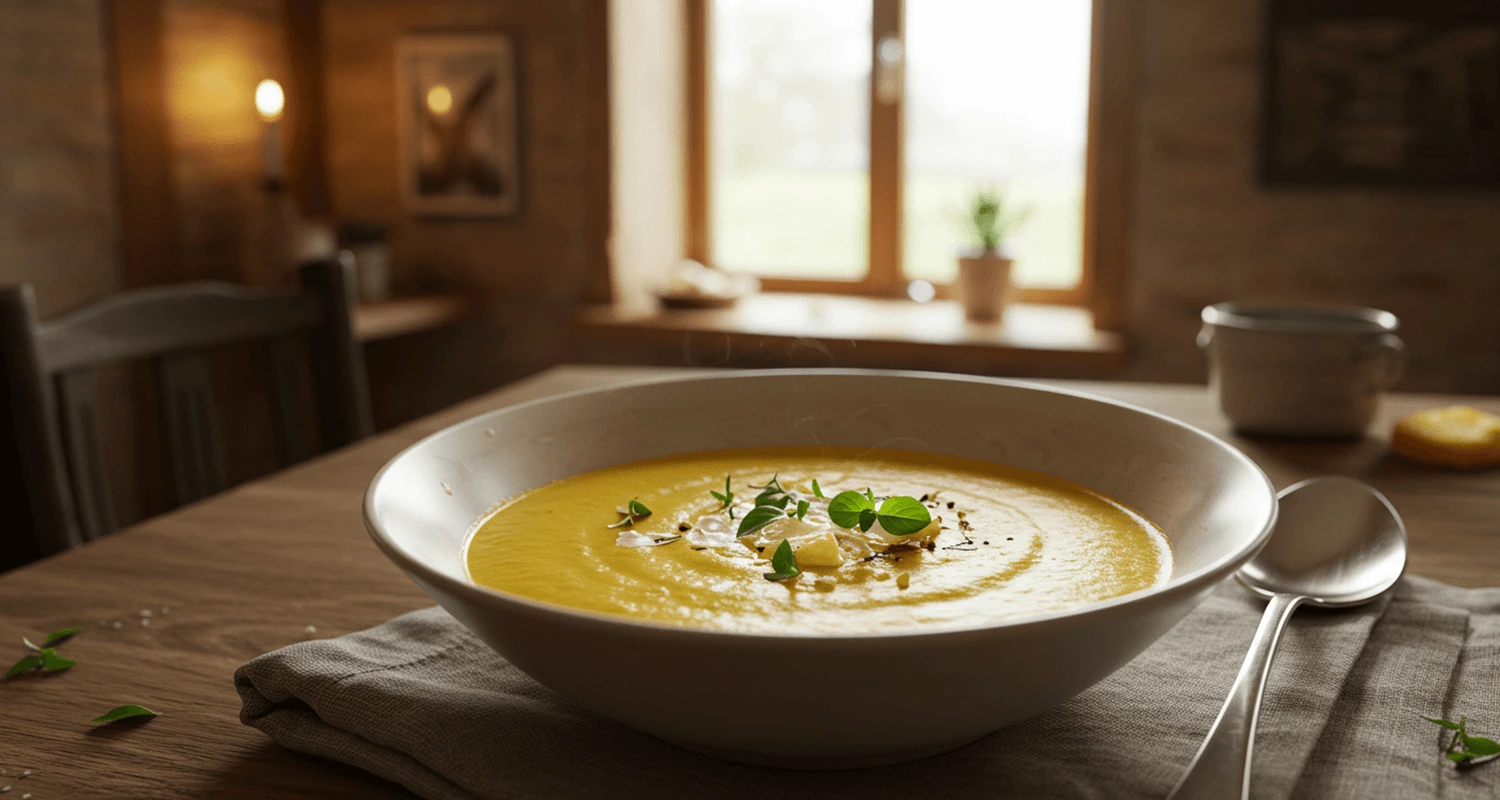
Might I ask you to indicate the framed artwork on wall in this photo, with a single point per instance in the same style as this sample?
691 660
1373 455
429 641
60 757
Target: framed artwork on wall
1381 93
457 102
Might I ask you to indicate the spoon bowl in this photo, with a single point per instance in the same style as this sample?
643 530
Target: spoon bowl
1337 543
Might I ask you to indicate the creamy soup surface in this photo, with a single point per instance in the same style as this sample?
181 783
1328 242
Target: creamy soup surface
1002 543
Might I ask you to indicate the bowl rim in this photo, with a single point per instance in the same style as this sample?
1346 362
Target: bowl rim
1211 573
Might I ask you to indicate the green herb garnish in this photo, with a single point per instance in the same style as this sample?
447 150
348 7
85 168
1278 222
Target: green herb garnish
759 517
44 658
783 562
802 506
124 712
59 636
52 662
27 664
773 499
634 510
898 516
903 516
1475 749
727 498
816 491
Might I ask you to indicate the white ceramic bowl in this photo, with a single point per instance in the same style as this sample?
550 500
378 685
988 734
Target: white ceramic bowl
705 690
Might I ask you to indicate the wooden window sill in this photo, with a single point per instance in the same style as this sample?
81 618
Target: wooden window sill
818 329
401 316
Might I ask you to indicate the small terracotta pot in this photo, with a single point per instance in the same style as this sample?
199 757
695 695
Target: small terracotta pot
984 284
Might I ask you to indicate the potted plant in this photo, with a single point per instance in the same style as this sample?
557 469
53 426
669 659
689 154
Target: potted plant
984 271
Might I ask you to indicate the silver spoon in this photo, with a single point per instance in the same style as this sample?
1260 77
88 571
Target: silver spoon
1338 543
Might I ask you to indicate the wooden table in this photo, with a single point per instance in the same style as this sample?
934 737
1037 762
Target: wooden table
249 570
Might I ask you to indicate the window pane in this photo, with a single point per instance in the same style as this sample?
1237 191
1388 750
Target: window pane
997 96
790 142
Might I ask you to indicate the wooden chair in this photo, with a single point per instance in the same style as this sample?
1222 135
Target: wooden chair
47 366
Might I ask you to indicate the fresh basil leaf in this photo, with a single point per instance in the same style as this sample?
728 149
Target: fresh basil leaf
58 636
844 509
637 509
1452 726
903 516
1458 758
784 562
25 665
52 662
759 517
869 495
816 491
124 712
802 506
867 517
720 497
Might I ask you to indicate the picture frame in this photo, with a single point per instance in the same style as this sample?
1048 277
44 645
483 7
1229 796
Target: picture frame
459 117
1381 93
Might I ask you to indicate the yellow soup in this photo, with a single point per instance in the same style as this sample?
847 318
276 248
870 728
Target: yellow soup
1001 543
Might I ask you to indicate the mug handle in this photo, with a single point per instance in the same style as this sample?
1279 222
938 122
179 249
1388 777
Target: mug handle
1205 336
1392 351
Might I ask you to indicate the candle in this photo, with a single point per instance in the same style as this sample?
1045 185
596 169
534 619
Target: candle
269 101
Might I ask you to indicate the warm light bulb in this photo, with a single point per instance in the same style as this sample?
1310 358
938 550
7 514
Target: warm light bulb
440 99
269 99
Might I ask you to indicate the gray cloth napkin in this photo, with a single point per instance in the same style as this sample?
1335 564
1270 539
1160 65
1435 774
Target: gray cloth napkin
420 701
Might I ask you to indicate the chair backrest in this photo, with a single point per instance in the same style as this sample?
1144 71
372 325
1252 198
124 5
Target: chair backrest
48 365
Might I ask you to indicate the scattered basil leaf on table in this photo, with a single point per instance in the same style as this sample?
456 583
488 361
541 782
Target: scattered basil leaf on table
58 636
124 712
759 517
27 664
52 662
784 562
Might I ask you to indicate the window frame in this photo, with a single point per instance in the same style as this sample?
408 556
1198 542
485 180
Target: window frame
1105 247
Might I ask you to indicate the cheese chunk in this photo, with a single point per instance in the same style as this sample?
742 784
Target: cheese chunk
819 549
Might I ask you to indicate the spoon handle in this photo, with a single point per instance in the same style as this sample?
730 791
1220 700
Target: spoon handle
1222 767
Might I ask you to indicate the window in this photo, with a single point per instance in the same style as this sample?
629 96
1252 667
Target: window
790 138
833 145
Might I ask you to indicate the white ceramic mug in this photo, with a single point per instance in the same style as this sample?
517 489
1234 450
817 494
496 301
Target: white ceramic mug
1300 370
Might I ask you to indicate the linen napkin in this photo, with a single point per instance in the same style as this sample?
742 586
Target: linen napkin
422 702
